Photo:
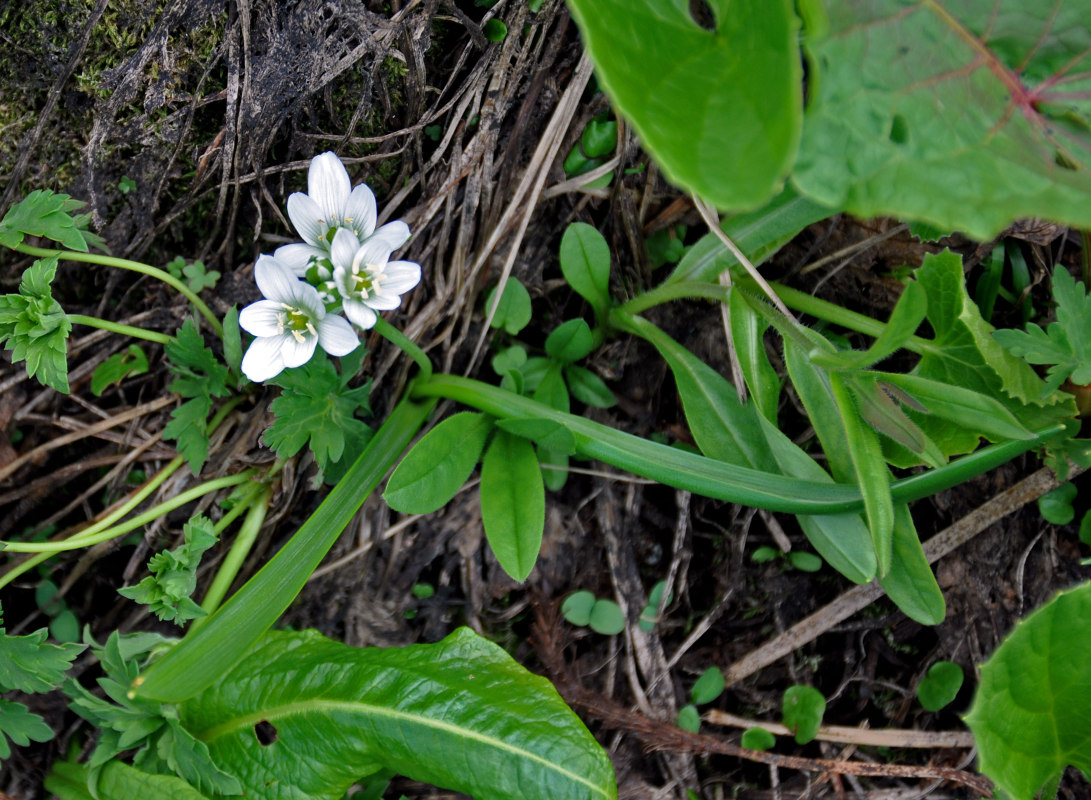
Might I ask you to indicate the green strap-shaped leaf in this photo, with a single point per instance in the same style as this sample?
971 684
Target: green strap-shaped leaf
438 465
460 714
585 263
719 109
512 503
962 101
1032 713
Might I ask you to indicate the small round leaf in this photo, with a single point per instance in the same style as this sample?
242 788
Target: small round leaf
689 719
940 685
758 739
708 687
1056 506
577 608
606 618
803 708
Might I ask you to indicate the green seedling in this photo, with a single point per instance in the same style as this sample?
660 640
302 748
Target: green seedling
708 687
649 616
596 145
583 609
63 625
1056 505
940 685
796 559
802 711
758 739
689 718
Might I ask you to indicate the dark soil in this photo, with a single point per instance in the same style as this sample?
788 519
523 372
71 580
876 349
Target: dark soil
186 123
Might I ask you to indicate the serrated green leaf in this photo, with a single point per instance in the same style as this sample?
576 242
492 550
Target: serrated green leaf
30 664
513 312
570 341
1031 714
708 686
940 685
587 387
35 328
438 465
576 608
503 732
43 213
512 503
802 711
317 409
199 377
21 726
910 582
978 102
720 110
585 264
117 367
188 429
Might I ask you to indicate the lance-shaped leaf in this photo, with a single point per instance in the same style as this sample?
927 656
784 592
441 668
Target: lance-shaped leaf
512 503
1032 713
303 717
920 110
585 263
903 323
910 582
719 109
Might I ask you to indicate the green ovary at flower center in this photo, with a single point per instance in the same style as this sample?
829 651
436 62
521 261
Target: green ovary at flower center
363 284
296 322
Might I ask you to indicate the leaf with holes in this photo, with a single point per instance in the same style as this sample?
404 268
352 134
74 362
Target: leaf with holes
720 110
502 732
983 99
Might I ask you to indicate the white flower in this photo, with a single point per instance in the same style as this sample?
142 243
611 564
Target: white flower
330 206
366 278
289 323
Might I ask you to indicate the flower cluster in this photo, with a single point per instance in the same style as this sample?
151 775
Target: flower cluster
342 265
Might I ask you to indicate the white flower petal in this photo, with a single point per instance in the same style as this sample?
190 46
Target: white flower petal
297 256
263 359
328 185
261 318
400 277
336 336
297 353
372 254
275 281
343 248
306 216
360 314
384 302
359 212
395 234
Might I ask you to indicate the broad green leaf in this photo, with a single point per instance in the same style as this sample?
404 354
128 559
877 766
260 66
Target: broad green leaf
44 213
512 503
1056 506
547 433
910 582
119 781
802 710
509 359
438 465
513 312
1031 716
708 686
570 341
872 475
759 234
576 608
961 102
940 685
904 320
587 387
502 732
758 739
719 109
585 263
747 335
117 367
606 618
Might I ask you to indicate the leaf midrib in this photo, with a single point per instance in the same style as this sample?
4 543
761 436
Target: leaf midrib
248 721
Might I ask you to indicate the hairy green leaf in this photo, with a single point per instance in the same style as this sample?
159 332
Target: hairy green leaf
438 465
35 328
720 110
1032 712
585 264
962 102
907 316
747 336
512 503
504 734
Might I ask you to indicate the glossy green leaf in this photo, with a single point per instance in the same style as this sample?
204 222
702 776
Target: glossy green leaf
802 711
585 264
1056 505
599 138
587 387
910 582
570 341
708 687
1032 713
758 739
438 465
720 110
606 618
512 503
872 475
940 685
747 335
513 312
961 102
502 732
576 608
